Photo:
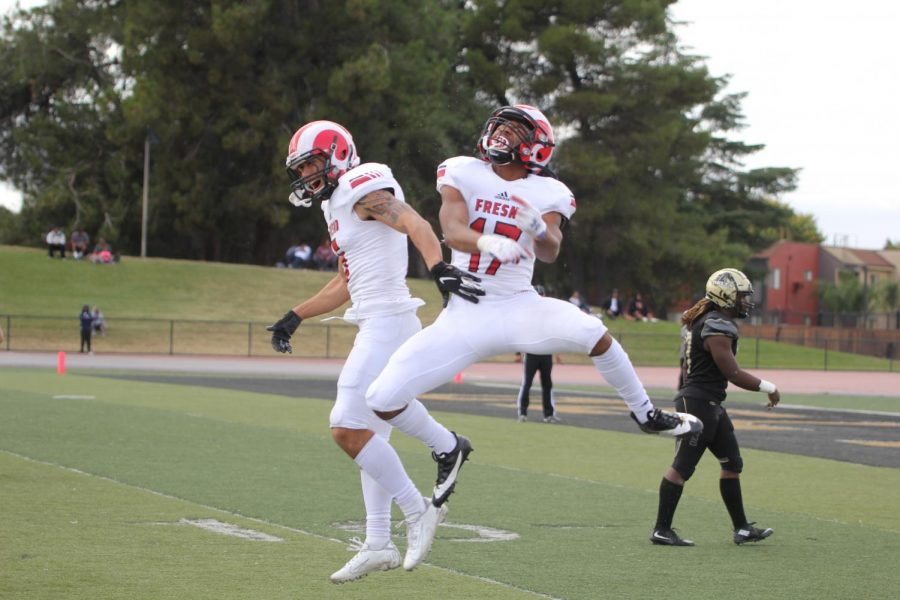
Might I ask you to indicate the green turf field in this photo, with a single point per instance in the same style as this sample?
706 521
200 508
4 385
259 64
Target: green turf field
100 479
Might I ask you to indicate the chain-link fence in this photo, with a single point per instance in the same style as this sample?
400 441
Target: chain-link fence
172 336
846 320
325 340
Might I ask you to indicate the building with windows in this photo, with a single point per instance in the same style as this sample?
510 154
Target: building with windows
785 276
788 276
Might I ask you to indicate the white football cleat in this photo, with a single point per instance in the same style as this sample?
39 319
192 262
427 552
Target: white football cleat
366 561
675 424
420 532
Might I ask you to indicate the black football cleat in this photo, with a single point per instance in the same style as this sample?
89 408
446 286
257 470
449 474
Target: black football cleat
749 533
668 537
448 466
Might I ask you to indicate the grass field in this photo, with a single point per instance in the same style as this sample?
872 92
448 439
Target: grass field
100 480
189 307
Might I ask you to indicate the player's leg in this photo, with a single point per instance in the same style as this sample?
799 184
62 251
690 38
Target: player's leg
545 366
613 363
378 552
543 325
364 438
429 358
725 447
530 365
688 452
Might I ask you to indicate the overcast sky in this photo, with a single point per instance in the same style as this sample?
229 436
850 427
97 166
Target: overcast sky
823 85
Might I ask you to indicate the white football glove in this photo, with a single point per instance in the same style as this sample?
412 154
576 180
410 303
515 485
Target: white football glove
502 248
528 219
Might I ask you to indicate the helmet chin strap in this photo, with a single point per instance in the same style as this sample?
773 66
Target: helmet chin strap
299 201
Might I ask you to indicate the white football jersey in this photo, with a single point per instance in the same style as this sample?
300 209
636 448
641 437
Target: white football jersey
491 211
375 255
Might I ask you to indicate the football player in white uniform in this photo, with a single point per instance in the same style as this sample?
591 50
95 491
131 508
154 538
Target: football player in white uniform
497 213
368 222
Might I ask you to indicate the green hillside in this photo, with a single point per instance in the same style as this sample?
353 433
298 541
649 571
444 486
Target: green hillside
177 306
159 288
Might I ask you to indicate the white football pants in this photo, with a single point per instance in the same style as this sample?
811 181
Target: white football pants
465 333
376 341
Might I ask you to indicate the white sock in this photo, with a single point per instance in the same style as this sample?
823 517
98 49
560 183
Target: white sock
619 373
381 462
378 512
416 422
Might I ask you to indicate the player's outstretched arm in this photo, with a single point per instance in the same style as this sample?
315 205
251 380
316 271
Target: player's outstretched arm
332 295
720 348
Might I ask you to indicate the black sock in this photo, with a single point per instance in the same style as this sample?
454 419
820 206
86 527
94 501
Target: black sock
734 502
669 495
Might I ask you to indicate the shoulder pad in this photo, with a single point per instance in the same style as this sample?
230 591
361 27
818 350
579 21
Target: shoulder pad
362 180
448 171
563 200
717 324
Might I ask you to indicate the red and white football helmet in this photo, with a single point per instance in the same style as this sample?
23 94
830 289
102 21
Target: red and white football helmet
319 138
535 149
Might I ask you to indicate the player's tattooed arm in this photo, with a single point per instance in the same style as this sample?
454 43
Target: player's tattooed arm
383 206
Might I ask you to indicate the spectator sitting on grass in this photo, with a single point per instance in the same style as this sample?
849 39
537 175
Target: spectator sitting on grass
324 257
299 256
578 301
638 310
80 240
56 242
102 253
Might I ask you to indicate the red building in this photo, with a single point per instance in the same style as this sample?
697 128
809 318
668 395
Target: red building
789 272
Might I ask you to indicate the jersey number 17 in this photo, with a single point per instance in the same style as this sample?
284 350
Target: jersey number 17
500 228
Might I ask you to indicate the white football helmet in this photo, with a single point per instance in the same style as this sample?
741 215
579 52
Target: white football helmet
730 288
325 139
536 147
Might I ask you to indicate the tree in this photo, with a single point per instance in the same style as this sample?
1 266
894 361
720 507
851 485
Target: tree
845 296
644 132
57 99
643 140
224 85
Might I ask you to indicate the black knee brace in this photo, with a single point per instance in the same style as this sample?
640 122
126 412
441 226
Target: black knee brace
735 464
685 468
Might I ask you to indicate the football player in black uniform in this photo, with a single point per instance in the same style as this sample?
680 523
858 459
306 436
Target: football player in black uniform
709 344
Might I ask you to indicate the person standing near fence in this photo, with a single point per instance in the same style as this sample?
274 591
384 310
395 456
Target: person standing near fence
709 346
543 364
87 328
369 223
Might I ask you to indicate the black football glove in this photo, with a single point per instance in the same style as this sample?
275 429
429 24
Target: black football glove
451 280
283 330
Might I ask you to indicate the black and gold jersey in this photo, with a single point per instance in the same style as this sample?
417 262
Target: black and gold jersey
700 376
